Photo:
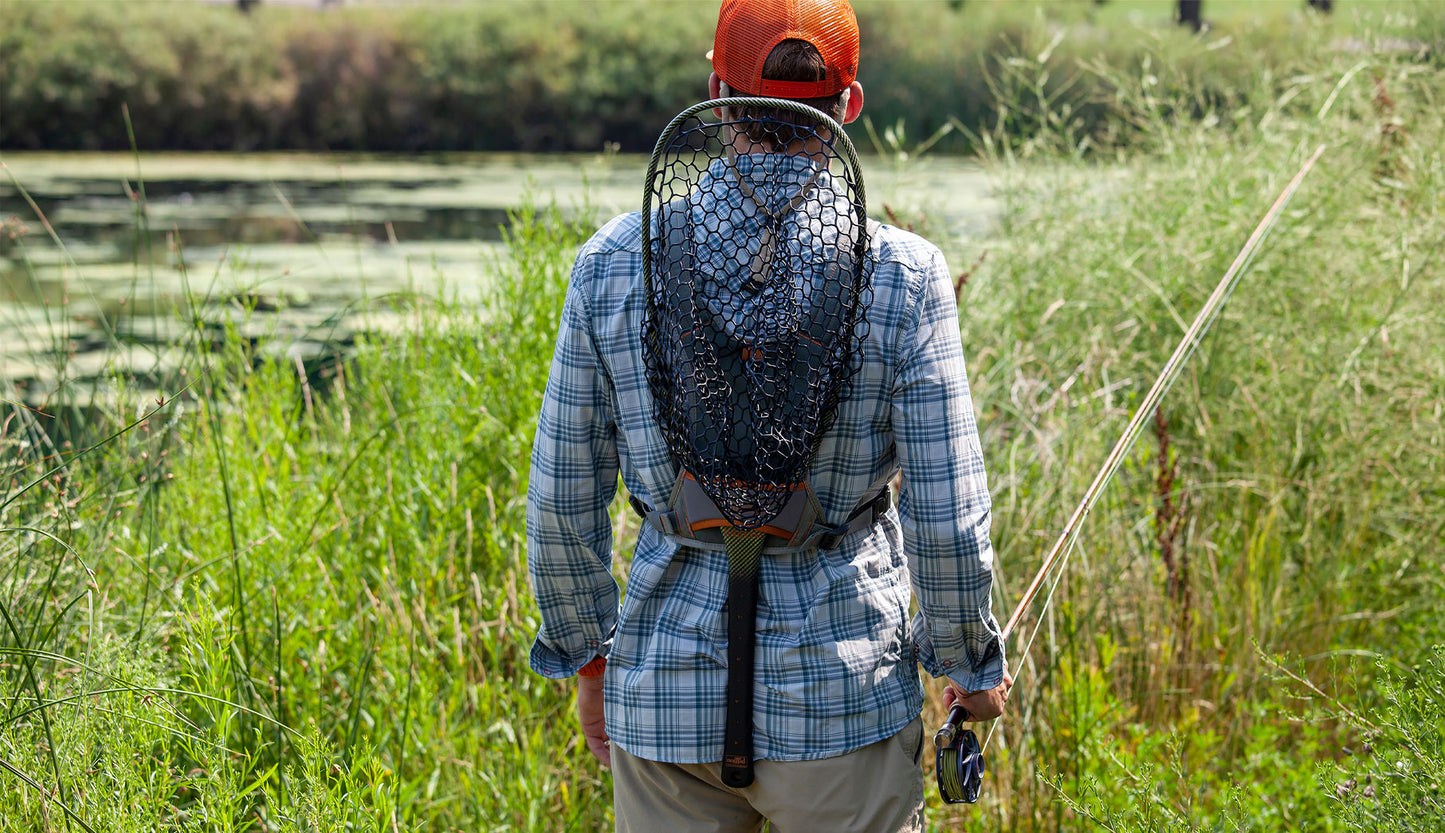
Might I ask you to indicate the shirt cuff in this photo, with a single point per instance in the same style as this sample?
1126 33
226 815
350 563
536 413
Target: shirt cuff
553 664
966 672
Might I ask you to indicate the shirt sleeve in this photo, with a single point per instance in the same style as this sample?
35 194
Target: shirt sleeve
572 484
944 504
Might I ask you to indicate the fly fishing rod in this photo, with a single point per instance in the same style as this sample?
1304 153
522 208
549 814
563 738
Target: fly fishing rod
960 758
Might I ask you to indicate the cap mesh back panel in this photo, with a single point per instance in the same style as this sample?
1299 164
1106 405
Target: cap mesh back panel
748 30
758 282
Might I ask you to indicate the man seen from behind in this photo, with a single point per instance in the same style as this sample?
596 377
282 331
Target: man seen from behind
835 733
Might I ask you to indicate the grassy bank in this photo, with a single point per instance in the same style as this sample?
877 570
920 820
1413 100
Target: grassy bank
569 76
291 597
1280 531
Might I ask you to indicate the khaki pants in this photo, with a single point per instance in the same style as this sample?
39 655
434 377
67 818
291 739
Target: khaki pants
876 789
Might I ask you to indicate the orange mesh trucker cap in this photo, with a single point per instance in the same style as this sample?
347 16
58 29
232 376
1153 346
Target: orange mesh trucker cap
747 30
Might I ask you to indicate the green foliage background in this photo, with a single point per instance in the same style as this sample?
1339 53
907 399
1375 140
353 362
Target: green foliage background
567 75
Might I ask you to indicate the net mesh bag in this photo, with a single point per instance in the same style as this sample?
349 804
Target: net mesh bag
757 273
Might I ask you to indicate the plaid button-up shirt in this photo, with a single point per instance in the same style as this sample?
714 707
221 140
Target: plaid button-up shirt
836 649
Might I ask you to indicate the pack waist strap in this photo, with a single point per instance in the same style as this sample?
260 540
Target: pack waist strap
865 516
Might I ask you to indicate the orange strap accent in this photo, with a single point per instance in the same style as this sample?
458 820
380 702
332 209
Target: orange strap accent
718 523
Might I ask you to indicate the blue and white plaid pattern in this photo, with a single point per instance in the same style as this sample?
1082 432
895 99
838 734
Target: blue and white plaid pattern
835 645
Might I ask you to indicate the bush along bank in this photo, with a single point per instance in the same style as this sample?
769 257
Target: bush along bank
569 77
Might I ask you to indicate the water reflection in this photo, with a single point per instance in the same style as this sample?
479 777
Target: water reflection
296 239
321 225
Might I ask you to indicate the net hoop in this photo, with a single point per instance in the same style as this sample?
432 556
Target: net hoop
664 141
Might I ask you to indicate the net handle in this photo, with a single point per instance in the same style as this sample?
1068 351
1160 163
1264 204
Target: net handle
664 141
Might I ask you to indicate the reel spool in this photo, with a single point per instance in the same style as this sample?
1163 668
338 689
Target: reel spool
960 760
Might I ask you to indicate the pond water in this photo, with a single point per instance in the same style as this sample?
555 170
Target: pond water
311 234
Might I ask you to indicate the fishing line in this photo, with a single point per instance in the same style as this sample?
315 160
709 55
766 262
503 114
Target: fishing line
1048 600
963 778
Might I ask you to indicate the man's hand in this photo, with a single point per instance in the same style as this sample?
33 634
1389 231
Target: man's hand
981 705
594 723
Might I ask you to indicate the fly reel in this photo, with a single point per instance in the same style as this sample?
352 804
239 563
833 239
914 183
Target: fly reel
960 760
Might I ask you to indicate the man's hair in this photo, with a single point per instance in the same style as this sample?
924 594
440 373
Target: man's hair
790 60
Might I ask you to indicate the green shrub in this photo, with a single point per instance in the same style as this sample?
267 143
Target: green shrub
569 76
1396 779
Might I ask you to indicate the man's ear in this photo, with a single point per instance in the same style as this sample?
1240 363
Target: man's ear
855 102
714 86
714 90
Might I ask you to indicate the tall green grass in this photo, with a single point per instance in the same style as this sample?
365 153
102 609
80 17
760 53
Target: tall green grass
320 581
1300 453
291 597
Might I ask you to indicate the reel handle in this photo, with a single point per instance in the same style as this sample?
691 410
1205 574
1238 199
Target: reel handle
957 716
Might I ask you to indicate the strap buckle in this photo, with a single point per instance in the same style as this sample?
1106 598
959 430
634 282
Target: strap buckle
864 517
664 522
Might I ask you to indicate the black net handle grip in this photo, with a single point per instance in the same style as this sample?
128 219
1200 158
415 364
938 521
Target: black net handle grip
737 766
744 553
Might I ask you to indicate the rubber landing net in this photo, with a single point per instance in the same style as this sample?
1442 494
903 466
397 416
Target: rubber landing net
757 272
756 267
